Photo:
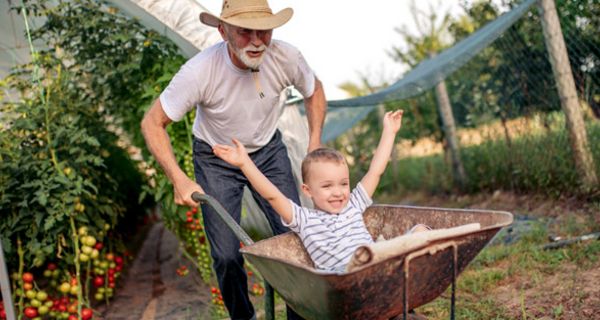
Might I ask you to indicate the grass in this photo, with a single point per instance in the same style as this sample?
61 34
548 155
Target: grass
534 160
524 264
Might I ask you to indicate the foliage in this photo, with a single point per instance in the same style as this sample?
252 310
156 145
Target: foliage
66 175
536 162
510 79
59 159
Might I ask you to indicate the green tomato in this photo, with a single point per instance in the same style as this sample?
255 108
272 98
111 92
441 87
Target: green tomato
84 257
73 290
30 294
87 250
64 287
42 296
89 241
42 310
35 303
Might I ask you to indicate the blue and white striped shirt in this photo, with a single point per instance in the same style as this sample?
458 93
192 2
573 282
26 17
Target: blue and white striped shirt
331 239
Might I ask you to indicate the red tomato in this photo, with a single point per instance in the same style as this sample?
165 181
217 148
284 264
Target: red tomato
51 266
98 281
30 312
28 277
72 317
72 308
86 313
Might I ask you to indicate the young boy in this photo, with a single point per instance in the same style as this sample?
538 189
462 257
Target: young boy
333 230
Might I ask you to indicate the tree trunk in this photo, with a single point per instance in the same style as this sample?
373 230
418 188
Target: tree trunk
568 96
458 171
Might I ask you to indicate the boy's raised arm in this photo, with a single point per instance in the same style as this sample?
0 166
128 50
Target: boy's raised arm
238 157
392 121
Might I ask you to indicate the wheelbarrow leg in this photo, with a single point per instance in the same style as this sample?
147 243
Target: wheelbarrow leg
269 302
433 250
454 274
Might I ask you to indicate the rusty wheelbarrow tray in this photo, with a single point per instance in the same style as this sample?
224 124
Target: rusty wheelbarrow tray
381 291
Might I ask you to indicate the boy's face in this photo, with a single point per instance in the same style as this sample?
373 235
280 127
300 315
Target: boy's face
328 185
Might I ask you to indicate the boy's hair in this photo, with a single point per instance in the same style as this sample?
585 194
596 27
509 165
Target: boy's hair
320 154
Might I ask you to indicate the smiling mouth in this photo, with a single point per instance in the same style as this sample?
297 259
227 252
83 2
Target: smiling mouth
254 54
336 203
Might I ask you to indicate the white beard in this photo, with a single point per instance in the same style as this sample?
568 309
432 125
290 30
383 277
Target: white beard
252 63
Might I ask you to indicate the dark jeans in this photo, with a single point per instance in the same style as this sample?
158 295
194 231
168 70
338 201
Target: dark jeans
226 184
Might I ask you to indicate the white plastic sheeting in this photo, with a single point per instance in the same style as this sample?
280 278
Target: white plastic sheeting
175 19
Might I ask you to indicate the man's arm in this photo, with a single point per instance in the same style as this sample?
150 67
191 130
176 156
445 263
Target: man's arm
392 122
237 156
154 129
316 106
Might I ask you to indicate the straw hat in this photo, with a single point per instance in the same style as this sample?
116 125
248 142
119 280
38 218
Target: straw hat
249 14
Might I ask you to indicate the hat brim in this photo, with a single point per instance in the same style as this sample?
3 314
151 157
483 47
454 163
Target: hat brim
250 21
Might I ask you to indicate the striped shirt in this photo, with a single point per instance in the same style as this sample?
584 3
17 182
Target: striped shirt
331 239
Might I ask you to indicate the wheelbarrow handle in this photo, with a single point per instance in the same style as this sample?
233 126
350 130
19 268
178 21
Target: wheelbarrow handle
224 215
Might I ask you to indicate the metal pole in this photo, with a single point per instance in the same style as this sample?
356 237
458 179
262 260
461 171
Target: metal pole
5 286
269 302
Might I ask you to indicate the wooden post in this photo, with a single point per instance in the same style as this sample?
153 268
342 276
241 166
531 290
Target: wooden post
458 171
561 67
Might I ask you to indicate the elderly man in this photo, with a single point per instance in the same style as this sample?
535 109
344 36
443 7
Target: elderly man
234 86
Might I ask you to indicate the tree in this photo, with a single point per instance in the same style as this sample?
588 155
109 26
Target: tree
566 86
433 38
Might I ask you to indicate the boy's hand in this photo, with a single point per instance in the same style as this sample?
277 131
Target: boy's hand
235 156
392 120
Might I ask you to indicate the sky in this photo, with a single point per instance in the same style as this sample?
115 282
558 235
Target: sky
343 39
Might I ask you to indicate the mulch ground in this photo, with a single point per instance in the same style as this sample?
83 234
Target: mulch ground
153 290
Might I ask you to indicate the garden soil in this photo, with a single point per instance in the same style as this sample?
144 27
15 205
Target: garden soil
571 292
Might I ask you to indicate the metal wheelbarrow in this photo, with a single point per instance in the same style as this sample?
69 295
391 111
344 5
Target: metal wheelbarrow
381 290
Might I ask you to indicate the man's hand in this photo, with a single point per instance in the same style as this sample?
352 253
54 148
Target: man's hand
313 145
183 190
236 156
154 129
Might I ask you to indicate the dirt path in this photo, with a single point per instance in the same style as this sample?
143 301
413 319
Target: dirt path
153 290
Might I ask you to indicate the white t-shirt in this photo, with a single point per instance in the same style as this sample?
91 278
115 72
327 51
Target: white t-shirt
331 239
227 98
